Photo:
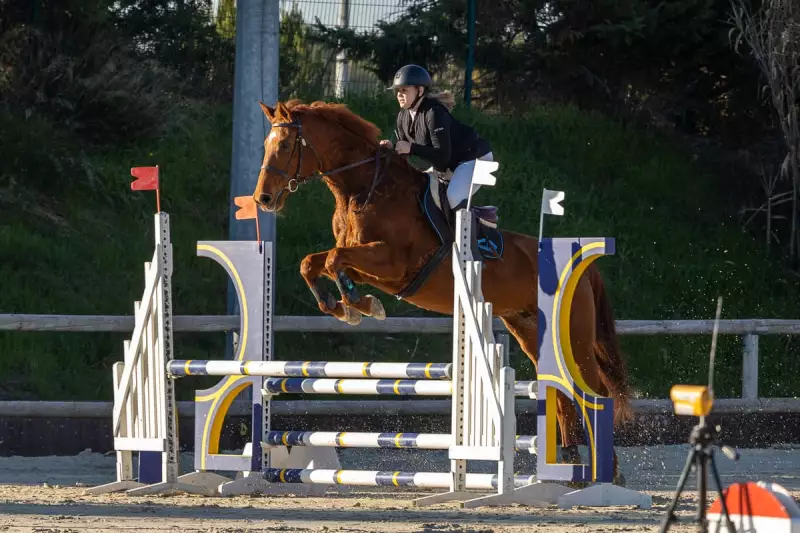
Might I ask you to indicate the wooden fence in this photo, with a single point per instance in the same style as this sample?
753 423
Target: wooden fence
749 329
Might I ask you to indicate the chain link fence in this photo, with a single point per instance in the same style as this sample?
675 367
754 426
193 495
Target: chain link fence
312 70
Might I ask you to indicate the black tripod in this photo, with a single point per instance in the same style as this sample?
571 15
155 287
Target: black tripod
702 438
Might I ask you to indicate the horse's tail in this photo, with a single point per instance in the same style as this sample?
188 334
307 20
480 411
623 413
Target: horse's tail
614 373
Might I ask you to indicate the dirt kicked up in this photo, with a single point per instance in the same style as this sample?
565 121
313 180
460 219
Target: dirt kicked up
46 494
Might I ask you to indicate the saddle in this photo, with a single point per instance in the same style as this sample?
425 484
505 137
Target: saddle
488 238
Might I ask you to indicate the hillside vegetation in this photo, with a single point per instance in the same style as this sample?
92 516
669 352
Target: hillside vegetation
74 237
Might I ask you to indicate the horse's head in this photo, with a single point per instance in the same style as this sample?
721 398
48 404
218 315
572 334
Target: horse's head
320 141
289 159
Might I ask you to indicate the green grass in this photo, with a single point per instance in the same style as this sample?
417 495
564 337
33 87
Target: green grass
74 237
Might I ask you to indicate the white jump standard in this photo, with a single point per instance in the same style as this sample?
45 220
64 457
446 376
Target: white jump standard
144 416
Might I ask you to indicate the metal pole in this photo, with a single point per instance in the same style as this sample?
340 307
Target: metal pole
255 78
470 53
342 70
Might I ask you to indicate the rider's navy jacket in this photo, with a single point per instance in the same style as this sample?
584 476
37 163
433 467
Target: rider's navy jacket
438 137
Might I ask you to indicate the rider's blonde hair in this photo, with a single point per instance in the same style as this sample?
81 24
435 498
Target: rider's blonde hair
445 97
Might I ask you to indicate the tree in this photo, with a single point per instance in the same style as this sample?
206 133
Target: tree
304 63
65 59
418 36
226 19
668 62
181 35
772 33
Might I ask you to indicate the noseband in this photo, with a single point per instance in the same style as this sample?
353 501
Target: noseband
300 143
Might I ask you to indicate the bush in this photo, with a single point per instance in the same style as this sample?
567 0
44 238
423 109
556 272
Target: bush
98 89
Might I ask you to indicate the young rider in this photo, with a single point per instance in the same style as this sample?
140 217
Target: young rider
425 128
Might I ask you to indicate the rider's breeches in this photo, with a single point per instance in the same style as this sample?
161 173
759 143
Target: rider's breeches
458 190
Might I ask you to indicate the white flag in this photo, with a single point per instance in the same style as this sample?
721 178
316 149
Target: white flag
482 172
550 202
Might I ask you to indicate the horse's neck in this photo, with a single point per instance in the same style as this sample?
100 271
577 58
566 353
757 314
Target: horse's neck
359 180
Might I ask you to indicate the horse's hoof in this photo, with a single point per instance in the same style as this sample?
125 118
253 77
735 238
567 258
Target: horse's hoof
330 302
619 478
577 485
352 315
570 455
376 309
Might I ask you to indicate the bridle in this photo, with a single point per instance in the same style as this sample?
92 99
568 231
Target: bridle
295 182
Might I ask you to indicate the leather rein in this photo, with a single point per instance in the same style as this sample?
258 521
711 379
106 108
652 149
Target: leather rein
300 142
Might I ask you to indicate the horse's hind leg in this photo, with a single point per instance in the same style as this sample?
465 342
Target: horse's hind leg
583 336
524 328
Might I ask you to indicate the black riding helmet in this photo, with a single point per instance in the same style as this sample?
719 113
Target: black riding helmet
411 75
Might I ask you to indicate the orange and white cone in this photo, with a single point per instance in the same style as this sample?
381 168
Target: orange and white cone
756 507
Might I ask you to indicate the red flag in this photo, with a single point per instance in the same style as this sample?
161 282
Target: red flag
147 178
247 205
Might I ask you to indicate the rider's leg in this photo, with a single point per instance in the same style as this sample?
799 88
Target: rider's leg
458 191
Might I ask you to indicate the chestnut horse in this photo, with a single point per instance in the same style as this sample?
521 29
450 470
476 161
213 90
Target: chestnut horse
383 240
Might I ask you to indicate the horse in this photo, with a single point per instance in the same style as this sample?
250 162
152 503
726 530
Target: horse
384 240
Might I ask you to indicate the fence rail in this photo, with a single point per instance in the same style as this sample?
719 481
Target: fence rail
749 329
326 324
100 409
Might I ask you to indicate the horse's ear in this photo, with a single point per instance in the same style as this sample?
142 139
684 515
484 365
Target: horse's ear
283 112
268 111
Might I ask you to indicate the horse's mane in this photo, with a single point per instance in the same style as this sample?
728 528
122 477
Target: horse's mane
342 116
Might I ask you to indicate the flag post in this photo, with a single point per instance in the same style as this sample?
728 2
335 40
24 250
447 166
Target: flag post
481 175
550 206
147 179
247 210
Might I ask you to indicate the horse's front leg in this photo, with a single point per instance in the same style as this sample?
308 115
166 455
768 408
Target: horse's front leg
312 267
371 260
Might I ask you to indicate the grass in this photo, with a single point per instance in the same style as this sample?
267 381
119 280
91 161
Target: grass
73 239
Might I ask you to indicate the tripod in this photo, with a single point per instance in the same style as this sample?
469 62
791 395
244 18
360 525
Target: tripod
702 438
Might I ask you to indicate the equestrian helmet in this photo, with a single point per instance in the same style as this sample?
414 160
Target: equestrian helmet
411 75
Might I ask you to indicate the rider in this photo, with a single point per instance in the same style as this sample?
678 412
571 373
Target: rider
425 128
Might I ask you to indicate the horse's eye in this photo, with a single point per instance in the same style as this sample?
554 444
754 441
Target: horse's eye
284 145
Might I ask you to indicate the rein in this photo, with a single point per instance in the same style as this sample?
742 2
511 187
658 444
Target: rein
295 182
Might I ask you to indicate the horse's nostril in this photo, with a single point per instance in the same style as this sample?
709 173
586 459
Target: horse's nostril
264 198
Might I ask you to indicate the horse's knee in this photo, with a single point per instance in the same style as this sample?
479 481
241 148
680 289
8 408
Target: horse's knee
306 267
333 260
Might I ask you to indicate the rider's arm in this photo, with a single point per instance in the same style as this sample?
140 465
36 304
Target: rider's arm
437 121
398 130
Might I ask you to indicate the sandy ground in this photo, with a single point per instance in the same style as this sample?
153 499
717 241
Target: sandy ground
46 494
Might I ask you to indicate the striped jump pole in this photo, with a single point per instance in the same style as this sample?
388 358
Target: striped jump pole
311 369
378 478
347 439
397 387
